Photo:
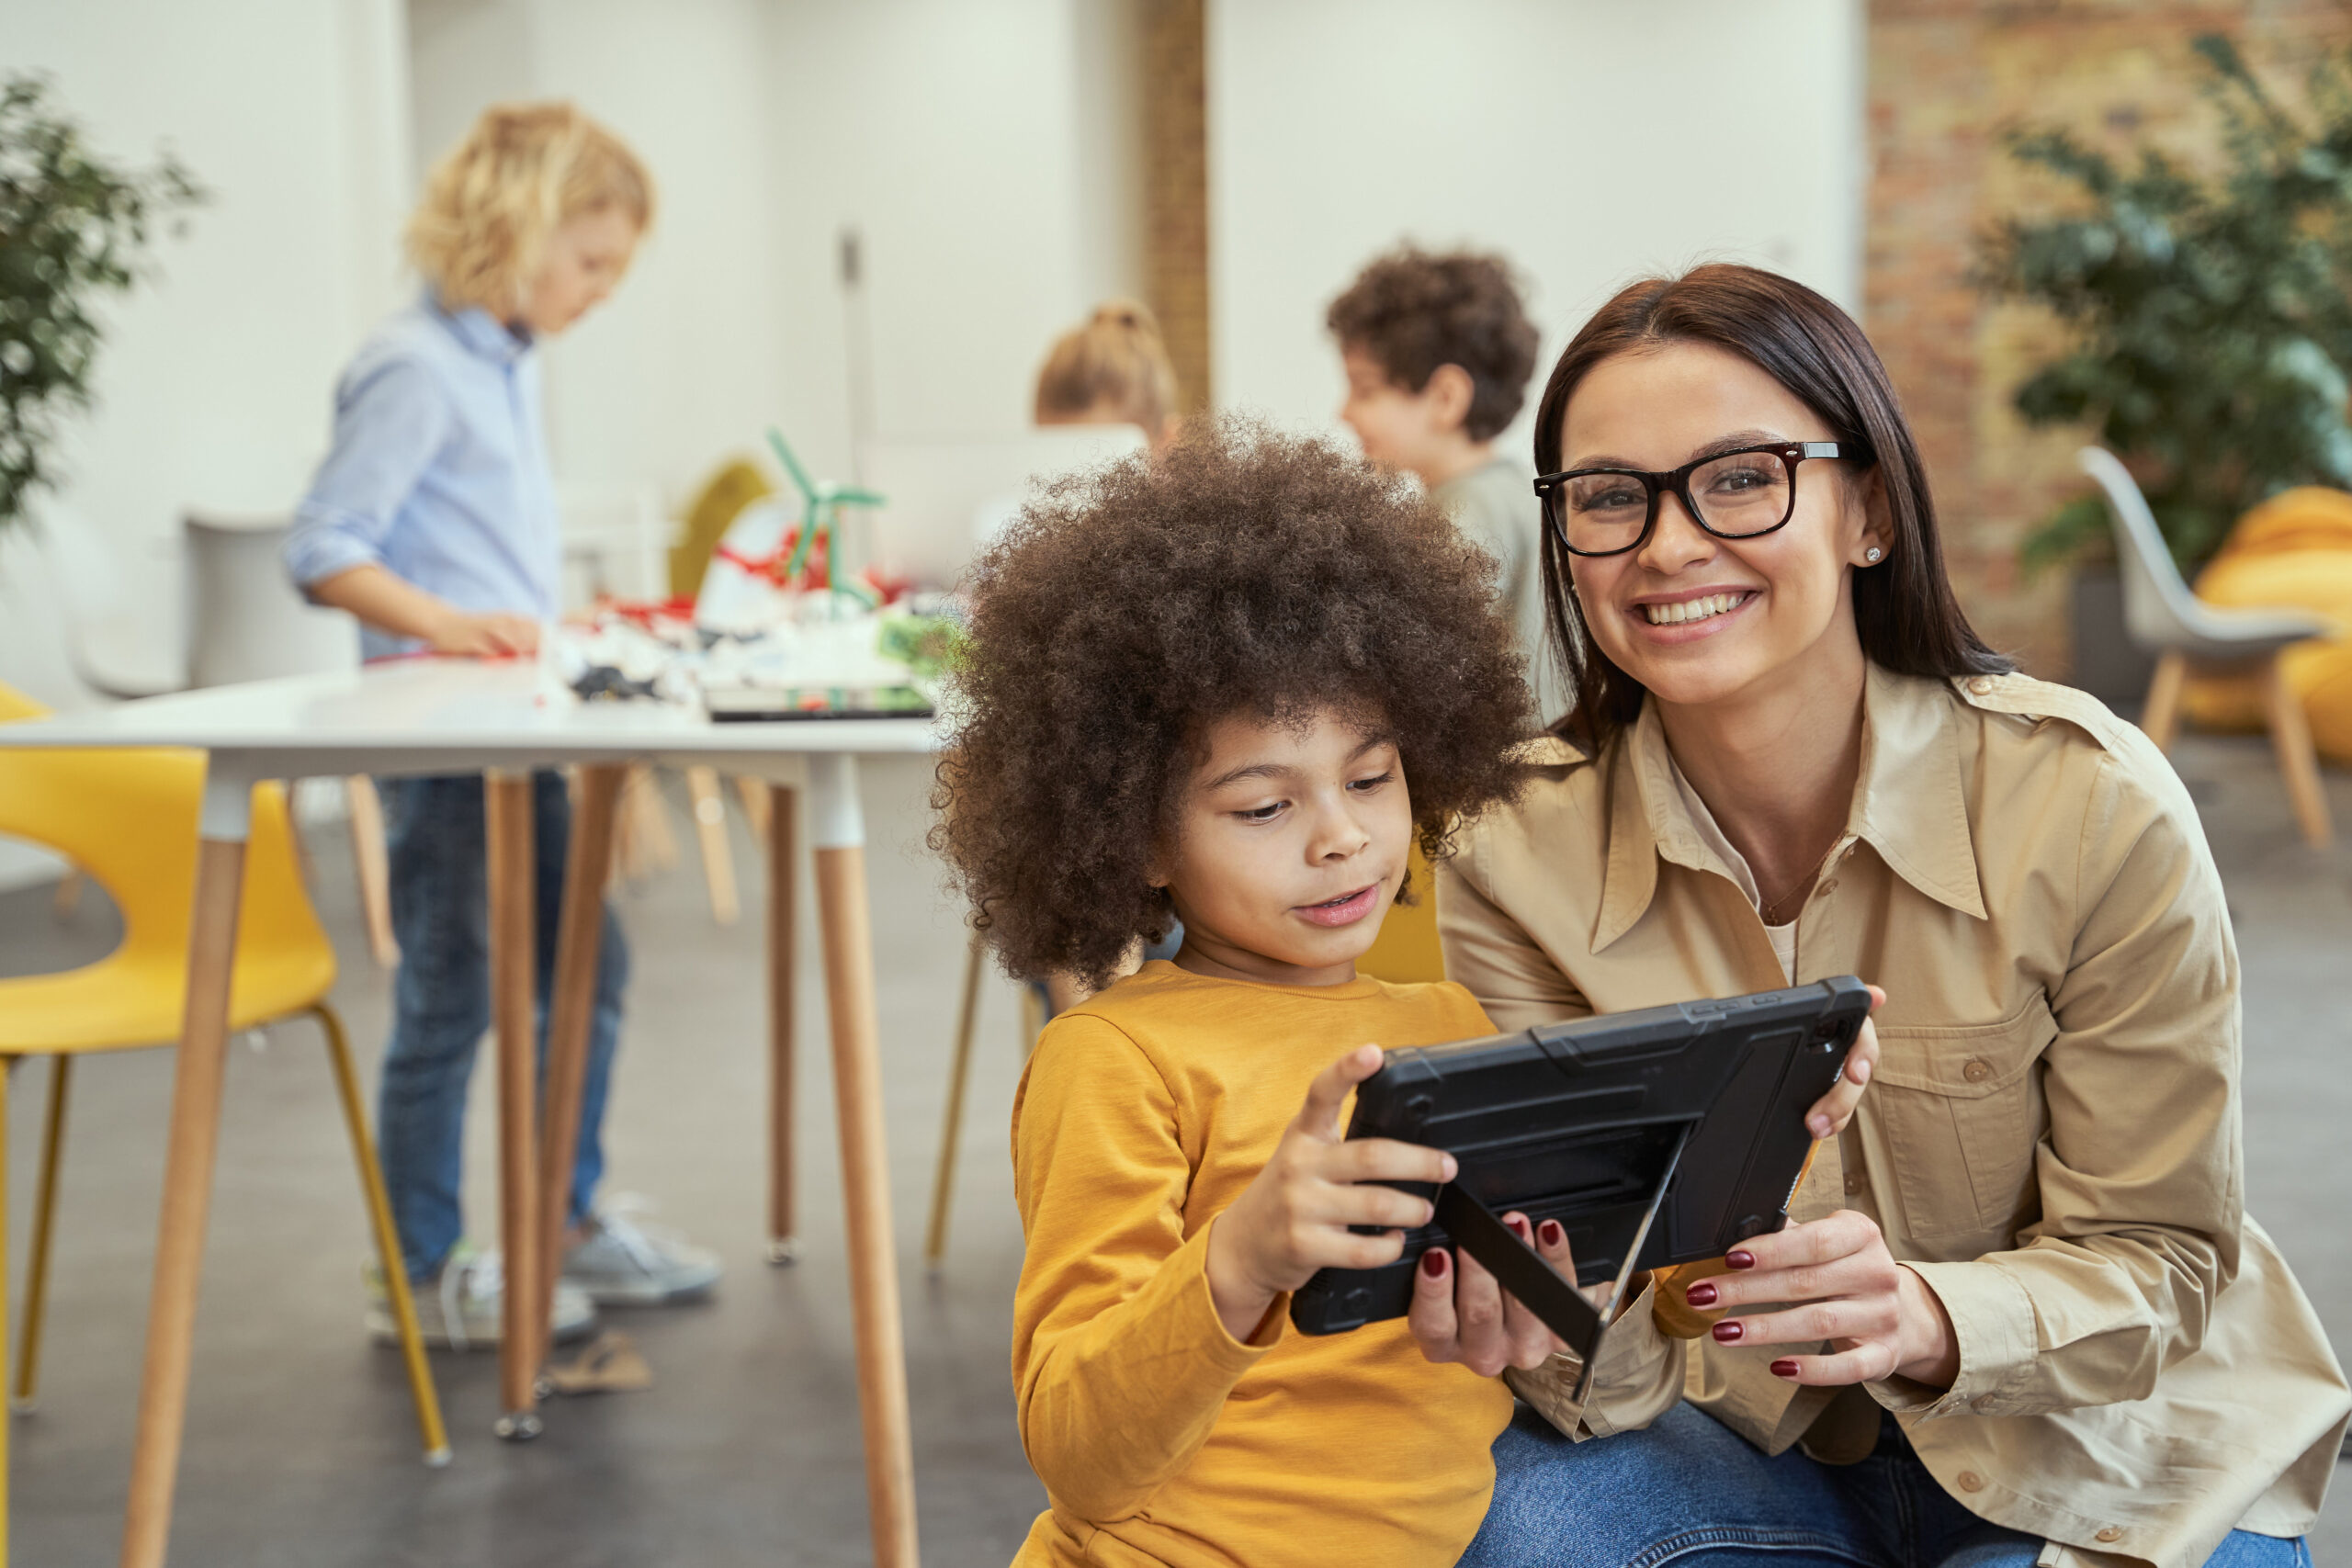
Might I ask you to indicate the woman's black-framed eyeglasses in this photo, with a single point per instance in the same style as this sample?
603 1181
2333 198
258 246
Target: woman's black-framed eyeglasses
1732 495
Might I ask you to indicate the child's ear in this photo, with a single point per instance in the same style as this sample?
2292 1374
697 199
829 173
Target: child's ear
1449 395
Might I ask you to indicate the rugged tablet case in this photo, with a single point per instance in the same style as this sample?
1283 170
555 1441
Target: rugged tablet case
1584 1122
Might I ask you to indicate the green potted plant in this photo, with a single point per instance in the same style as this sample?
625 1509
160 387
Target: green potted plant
73 228
2207 317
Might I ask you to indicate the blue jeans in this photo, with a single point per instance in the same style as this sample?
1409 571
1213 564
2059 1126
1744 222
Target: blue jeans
1688 1485
435 837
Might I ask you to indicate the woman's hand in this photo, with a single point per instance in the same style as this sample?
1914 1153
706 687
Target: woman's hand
1881 1320
1293 1218
1833 1111
1461 1314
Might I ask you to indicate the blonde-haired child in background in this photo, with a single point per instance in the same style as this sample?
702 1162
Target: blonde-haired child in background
1113 370
433 520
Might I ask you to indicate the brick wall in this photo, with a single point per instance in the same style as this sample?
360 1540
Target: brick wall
1946 77
1176 194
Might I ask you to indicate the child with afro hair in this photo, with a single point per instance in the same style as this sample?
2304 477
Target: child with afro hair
1231 685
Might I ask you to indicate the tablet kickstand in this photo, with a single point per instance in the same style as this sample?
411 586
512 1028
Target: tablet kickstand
1615 1300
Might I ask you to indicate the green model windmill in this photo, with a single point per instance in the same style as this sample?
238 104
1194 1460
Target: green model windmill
821 507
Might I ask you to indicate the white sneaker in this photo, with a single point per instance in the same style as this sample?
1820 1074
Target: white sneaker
464 1308
619 1262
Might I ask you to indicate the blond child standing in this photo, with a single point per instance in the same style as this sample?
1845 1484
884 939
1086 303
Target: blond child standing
433 520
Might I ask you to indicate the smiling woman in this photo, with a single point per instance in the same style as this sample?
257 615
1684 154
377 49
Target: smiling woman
2054 1335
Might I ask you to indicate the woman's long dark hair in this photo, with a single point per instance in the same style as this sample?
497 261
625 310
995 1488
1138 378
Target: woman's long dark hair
1903 608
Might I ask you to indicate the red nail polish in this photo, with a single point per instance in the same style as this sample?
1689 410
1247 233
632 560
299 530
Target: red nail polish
1739 1257
1701 1295
1434 1263
1728 1332
1784 1368
1551 1232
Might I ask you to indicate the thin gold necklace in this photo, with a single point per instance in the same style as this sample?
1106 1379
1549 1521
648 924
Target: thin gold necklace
1764 910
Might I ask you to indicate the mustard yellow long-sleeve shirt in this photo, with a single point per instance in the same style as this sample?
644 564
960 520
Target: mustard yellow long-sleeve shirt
1160 1438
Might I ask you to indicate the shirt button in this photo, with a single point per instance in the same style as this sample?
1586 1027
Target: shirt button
2110 1533
1827 888
1980 686
1970 1482
1977 1070
1853 1181
1983 1402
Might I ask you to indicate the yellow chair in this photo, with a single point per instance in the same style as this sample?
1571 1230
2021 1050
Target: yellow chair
1406 953
128 820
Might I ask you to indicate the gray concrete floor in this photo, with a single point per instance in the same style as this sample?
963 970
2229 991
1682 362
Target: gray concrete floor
300 1446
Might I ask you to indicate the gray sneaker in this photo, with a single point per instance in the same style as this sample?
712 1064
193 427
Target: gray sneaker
619 1262
463 1308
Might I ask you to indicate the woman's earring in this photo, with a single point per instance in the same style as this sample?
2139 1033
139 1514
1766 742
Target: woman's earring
1872 554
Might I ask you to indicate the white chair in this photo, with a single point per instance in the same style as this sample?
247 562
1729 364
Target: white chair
2185 632
244 622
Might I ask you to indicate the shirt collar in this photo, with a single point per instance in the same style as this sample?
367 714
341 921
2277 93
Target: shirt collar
1908 805
482 334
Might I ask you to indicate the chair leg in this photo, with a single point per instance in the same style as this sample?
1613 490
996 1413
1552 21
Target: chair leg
710 831
943 1186
387 1241
2160 714
756 805
367 809
24 1397
2291 737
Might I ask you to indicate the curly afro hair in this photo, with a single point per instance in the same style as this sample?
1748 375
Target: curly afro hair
1131 608
1412 311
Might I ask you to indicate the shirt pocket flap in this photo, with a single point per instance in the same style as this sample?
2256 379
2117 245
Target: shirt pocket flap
1971 1061
1961 1106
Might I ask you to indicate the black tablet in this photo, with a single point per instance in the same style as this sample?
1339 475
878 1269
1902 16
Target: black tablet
1666 1136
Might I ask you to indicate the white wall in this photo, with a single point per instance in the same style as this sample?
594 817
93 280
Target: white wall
213 383
973 146
1588 139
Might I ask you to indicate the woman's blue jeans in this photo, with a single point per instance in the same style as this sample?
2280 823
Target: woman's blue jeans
435 837
1688 1485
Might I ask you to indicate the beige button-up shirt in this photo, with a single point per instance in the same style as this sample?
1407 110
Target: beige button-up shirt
2052 1136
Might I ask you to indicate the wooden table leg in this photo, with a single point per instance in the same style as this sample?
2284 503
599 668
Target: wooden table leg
506 804
579 944
187 1170
838 832
784 1240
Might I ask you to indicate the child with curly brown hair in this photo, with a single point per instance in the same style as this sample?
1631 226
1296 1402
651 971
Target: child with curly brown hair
1438 349
1231 685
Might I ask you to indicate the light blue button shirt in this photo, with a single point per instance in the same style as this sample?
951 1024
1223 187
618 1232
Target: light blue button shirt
438 472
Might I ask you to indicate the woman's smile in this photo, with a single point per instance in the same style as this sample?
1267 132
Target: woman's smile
1686 616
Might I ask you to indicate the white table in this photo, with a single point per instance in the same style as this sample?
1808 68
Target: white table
429 716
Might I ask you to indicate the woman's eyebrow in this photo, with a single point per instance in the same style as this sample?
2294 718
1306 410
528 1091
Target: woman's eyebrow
1716 448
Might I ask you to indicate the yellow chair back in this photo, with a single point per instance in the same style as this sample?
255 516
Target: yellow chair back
723 498
128 819
1406 951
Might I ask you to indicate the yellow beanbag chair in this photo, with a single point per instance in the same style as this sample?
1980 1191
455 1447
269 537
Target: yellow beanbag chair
2293 550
